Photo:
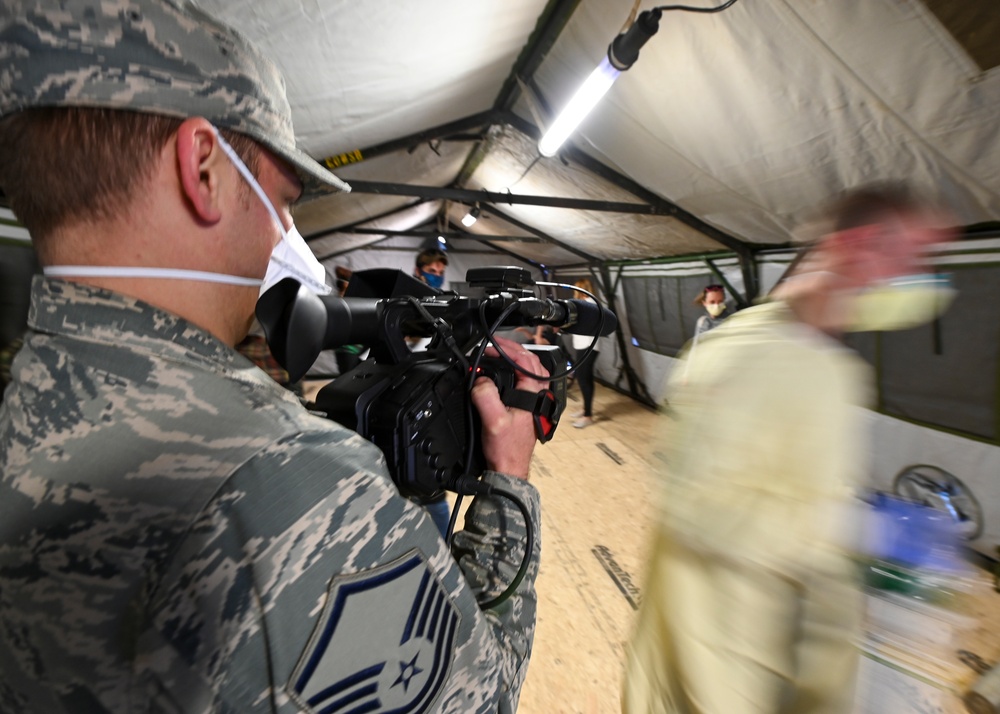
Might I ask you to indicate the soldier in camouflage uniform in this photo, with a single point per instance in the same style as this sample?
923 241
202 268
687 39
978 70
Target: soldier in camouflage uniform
177 534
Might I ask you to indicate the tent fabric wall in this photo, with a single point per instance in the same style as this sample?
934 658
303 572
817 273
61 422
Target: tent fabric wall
945 373
751 117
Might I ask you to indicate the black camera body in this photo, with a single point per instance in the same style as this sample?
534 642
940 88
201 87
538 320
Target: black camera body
416 406
419 414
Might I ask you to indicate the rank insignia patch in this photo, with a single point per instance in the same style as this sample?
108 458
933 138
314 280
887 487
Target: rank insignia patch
384 643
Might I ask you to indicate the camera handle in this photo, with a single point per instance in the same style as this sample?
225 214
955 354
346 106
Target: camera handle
543 407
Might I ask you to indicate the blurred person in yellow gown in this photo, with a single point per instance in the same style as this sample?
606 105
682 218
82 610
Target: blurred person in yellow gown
751 601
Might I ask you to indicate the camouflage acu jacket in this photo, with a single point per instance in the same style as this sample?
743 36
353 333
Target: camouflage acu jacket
177 534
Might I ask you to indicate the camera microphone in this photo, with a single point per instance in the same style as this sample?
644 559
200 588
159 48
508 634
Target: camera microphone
577 317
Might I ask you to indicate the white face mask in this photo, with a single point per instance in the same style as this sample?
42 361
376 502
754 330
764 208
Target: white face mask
715 309
901 303
291 258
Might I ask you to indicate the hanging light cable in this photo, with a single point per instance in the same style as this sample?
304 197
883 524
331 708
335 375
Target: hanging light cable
622 54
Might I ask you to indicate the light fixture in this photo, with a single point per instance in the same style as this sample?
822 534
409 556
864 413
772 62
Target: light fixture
622 54
471 217
442 242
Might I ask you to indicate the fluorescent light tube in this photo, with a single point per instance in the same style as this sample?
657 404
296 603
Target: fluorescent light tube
596 86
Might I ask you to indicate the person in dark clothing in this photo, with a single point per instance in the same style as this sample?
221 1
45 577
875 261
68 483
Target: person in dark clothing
585 368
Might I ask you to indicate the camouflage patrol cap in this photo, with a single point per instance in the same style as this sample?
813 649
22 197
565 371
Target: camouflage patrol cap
158 56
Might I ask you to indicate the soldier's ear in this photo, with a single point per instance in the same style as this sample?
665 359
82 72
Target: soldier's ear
200 164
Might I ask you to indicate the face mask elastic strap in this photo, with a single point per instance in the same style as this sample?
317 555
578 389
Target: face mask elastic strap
93 271
250 179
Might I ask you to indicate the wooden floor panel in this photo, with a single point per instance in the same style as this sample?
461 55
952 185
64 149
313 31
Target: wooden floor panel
597 504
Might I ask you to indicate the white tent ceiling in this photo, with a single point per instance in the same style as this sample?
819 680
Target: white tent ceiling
744 119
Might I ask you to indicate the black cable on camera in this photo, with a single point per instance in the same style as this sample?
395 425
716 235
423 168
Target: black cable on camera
477 487
469 485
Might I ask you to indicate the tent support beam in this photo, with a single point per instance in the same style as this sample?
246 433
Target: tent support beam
505 251
471 197
748 265
665 207
347 228
417 233
458 127
534 231
635 384
550 25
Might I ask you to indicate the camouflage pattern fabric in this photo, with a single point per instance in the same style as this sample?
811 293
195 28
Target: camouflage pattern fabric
158 56
177 534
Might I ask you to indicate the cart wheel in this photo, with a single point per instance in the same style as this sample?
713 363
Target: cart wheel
934 487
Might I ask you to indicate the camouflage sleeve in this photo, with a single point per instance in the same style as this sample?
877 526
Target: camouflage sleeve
309 584
489 551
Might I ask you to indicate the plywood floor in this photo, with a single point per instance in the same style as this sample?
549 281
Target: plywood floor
597 504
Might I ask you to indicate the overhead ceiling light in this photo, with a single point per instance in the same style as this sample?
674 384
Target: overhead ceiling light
622 54
471 217
442 242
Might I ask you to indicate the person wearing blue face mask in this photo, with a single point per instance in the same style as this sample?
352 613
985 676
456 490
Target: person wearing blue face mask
431 266
177 532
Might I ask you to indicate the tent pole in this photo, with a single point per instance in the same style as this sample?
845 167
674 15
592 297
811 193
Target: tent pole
748 265
635 384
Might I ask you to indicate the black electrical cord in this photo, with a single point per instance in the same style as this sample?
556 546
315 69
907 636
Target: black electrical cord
468 485
470 437
688 8
541 378
474 486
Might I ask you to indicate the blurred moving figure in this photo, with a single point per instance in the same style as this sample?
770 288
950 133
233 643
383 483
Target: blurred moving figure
751 602
713 299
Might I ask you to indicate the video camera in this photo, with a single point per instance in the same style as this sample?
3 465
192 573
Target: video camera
415 405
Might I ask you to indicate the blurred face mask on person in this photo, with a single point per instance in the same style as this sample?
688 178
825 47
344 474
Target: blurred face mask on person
900 303
915 296
714 302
